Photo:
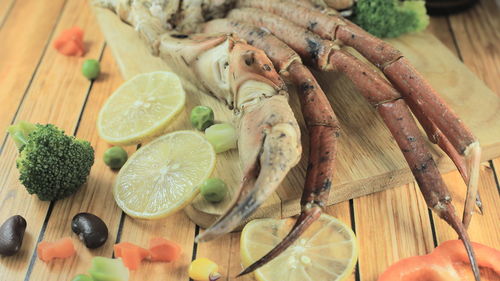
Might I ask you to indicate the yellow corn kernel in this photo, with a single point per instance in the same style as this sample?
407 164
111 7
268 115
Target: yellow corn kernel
203 269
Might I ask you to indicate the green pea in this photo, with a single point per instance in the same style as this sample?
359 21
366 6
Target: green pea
115 157
202 117
82 277
91 69
213 190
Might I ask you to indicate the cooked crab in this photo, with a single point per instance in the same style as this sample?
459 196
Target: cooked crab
201 38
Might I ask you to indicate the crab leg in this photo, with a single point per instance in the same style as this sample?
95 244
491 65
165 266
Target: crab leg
398 119
425 99
402 75
320 119
379 93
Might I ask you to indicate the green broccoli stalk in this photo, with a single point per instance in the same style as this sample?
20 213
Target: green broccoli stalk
390 18
51 164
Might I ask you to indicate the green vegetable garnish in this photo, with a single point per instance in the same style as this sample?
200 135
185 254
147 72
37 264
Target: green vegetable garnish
202 117
82 277
213 190
115 157
51 164
221 136
106 269
91 69
390 18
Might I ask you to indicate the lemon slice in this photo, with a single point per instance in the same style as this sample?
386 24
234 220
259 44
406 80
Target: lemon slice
164 175
327 251
141 108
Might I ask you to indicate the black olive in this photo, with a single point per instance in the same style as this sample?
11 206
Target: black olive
90 229
11 235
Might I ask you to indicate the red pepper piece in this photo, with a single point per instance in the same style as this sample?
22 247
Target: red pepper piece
448 261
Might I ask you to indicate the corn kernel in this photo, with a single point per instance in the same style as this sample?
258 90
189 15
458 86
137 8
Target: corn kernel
203 269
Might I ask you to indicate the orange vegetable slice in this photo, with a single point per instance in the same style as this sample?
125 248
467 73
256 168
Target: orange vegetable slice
132 255
448 261
61 249
70 42
162 249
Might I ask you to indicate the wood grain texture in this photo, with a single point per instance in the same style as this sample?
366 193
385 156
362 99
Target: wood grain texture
47 101
368 158
23 36
5 8
477 32
221 252
398 227
496 166
491 215
440 27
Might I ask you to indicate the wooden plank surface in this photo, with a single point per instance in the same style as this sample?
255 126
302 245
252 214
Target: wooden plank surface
389 224
47 100
24 35
5 8
477 33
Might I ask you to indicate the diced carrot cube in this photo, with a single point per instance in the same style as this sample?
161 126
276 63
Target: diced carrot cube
162 249
61 249
132 255
70 42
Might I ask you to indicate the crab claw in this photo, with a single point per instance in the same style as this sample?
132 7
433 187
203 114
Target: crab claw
269 146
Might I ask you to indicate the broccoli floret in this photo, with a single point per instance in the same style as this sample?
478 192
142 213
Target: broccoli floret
51 164
391 18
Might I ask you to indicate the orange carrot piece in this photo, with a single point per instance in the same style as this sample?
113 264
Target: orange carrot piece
61 249
70 42
132 255
162 249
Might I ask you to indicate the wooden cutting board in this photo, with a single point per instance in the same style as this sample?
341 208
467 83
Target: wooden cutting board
368 157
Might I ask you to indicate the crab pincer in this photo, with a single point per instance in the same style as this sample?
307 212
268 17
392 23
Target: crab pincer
322 124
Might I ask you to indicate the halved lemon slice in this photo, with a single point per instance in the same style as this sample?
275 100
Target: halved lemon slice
141 108
164 175
327 251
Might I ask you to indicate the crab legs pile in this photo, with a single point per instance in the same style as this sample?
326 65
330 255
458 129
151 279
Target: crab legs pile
229 47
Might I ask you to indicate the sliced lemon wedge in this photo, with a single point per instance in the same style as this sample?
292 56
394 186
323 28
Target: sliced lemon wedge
164 175
141 108
328 250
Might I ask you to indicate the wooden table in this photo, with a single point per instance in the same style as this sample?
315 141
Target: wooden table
39 85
